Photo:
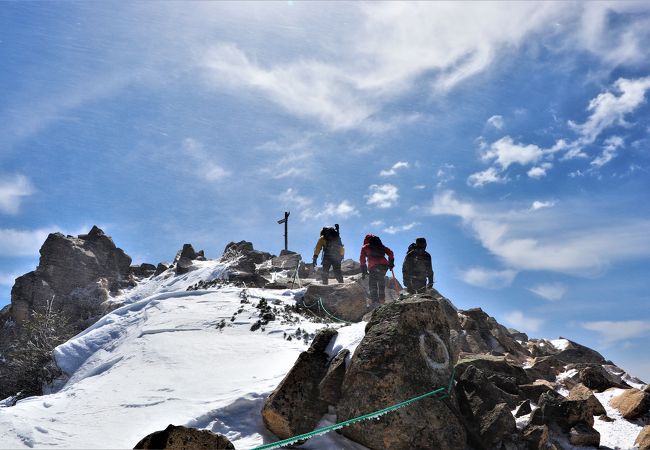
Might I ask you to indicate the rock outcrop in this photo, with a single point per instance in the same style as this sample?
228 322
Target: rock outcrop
643 439
183 438
404 353
75 275
345 301
295 406
632 403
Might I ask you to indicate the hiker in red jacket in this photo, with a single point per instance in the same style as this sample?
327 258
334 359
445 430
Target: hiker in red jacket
375 252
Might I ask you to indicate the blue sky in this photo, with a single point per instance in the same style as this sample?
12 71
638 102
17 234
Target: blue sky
515 137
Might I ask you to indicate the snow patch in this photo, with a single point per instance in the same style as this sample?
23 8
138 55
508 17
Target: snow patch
621 433
560 344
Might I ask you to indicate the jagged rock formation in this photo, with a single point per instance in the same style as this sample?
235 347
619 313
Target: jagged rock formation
75 275
500 374
183 438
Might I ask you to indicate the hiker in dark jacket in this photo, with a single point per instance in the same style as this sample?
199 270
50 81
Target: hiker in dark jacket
375 253
333 252
416 270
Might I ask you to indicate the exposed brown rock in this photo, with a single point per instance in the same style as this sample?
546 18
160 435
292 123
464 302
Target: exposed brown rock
295 407
553 407
346 301
183 438
584 435
405 353
536 437
643 439
330 386
582 392
534 390
632 403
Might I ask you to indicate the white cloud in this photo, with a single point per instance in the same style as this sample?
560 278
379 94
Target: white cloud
377 223
506 152
552 292
8 279
12 191
393 170
383 195
539 171
496 121
21 242
489 175
608 109
541 205
518 320
611 145
291 197
616 331
342 210
202 163
488 278
574 240
398 229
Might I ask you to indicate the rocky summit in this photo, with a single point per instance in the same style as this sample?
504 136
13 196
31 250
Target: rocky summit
423 373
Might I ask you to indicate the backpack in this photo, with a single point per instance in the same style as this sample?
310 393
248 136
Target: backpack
333 244
375 247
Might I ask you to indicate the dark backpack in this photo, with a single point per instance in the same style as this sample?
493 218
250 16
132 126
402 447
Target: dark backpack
333 244
375 247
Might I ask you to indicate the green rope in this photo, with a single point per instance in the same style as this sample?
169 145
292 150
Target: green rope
321 305
445 393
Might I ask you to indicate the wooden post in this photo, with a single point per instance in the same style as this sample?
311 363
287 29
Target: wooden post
285 221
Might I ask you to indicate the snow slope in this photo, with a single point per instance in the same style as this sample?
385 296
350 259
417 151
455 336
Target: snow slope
168 355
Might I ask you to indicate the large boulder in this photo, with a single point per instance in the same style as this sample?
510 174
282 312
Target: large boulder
86 267
536 437
482 404
643 439
533 391
404 354
584 435
330 386
183 438
555 408
582 392
344 301
295 406
242 257
483 334
632 403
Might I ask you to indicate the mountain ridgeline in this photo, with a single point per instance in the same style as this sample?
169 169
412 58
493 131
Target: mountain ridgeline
487 386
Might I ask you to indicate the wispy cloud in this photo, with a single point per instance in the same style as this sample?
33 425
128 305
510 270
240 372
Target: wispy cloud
342 210
394 229
202 163
393 170
610 147
488 278
291 197
12 191
8 279
552 292
21 242
518 320
496 121
541 205
554 242
612 332
383 195
607 109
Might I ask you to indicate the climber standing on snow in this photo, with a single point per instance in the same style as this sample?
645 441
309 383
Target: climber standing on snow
375 253
333 252
417 269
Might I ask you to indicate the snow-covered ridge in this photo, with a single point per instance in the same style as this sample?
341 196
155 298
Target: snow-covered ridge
168 355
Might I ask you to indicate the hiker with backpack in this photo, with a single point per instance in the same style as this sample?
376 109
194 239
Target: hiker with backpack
333 251
416 270
374 252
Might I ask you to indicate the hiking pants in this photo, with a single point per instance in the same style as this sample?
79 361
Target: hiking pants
377 281
336 266
417 286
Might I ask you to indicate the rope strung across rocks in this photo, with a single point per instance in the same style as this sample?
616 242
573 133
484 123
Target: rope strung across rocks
440 393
